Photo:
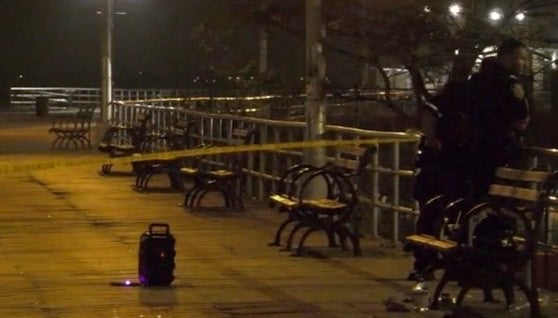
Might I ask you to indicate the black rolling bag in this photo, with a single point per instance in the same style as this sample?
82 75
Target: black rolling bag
156 256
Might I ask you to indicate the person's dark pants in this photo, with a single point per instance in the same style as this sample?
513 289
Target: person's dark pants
447 180
429 222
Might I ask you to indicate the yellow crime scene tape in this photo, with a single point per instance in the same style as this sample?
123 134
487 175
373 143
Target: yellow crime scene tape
10 167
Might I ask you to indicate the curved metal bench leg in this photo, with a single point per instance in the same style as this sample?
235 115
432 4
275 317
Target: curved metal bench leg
229 203
300 247
201 194
139 178
70 139
75 143
87 141
282 226
187 195
56 143
105 168
331 236
193 196
189 199
81 142
343 232
291 236
66 142
146 179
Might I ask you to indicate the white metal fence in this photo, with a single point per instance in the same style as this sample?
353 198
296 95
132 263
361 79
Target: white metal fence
67 96
385 188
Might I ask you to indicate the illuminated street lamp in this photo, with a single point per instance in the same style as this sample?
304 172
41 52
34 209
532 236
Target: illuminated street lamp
520 16
455 9
495 15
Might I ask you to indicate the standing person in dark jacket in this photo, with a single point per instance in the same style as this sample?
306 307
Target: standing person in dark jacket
502 115
497 113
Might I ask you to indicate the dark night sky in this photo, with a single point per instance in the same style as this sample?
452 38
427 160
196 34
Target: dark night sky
56 42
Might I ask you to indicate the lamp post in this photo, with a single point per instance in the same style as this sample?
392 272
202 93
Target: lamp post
315 95
315 77
106 60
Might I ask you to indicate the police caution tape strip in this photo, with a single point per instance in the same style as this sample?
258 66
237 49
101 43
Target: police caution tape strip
9 167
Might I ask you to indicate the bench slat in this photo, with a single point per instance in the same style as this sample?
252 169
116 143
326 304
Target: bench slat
432 242
282 200
522 175
519 193
353 151
346 163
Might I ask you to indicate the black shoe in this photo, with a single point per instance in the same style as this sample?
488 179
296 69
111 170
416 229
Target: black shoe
418 276
414 276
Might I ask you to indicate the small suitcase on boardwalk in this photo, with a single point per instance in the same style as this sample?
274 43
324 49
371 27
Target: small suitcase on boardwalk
156 256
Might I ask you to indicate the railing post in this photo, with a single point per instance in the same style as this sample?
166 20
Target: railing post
395 202
289 139
211 128
375 191
262 163
250 167
274 161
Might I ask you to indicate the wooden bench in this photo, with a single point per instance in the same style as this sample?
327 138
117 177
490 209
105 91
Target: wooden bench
73 129
228 179
331 213
487 250
443 246
176 139
286 198
124 141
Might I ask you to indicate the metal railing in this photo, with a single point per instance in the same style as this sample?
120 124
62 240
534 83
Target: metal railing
272 105
68 96
385 188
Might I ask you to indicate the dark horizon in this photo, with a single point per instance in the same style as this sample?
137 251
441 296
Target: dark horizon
57 42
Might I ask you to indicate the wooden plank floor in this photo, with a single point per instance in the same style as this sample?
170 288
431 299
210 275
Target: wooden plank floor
65 234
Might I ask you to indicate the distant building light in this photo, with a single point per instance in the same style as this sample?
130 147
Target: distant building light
20 76
455 9
456 52
520 16
495 15
427 9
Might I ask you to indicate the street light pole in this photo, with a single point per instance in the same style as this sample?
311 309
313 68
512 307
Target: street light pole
106 55
315 95
315 77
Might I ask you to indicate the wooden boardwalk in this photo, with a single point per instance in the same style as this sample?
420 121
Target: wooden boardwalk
66 234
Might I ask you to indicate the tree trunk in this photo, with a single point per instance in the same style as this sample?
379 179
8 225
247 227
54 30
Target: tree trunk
420 92
263 43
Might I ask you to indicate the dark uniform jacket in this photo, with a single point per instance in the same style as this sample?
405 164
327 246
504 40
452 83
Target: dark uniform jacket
500 118
501 112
